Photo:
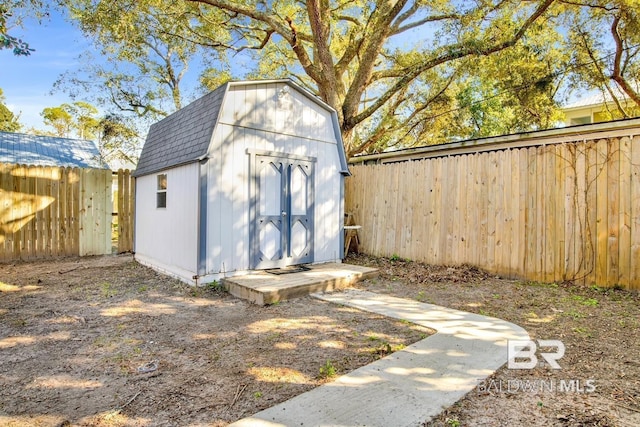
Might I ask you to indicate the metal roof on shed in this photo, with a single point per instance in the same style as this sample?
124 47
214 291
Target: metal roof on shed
20 148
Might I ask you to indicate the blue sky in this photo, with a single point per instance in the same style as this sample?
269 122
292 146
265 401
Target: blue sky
28 80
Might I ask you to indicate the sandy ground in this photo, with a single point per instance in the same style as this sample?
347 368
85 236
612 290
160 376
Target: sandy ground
78 336
106 342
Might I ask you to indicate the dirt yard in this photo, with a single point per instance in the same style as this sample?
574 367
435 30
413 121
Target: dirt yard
600 329
107 342
77 338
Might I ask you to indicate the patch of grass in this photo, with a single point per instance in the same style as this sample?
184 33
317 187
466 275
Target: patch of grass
328 370
108 290
215 286
539 284
591 302
257 394
422 296
575 314
452 422
583 331
395 257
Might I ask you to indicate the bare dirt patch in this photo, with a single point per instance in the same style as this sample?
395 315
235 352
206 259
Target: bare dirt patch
599 327
107 342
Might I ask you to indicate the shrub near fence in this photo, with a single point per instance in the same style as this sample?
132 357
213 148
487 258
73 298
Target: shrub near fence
553 206
47 212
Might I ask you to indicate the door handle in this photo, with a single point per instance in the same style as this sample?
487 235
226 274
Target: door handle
284 213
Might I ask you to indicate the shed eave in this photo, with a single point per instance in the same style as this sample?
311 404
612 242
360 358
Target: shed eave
135 173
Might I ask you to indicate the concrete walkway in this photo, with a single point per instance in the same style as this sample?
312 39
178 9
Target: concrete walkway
410 386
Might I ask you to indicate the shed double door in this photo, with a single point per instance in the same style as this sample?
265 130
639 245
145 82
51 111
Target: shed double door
283 203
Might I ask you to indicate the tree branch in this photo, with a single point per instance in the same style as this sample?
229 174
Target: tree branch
451 53
617 74
286 30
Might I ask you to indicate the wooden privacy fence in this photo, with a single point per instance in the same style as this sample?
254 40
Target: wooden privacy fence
48 212
555 208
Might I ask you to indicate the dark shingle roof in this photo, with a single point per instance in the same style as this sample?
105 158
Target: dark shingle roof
20 148
182 137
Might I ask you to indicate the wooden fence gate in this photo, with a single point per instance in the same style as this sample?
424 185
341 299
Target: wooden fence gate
48 212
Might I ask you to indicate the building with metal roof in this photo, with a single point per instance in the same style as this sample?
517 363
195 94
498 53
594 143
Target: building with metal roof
37 150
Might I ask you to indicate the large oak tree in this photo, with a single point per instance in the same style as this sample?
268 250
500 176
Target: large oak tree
352 53
392 69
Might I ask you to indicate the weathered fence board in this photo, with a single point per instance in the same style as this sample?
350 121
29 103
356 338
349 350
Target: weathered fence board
47 212
548 211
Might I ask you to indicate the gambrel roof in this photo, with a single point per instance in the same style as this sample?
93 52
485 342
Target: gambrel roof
185 136
38 150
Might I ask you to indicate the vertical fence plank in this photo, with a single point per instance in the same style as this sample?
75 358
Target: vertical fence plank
6 212
465 175
472 182
580 207
634 267
492 194
613 181
602 197
550 188
482 201
448 208
122 213
558 225
625 214
436 211
530 265
521 220
570 203
591 240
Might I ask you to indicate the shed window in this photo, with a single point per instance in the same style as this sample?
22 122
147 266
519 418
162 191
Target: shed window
161 195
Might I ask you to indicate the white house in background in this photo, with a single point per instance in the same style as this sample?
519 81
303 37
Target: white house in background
250 176
596 109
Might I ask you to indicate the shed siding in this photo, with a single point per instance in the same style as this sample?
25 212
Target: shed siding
252 118
276 108
169 236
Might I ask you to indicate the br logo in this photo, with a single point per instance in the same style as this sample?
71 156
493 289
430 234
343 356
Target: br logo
522 353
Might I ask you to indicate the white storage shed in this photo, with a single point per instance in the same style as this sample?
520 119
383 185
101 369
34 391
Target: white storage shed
248 177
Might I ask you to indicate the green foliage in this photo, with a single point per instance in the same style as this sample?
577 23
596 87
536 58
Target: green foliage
117 140
108 290
391 70
591 302
452 422
7 41
328 370
150 46
603 38
9 122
